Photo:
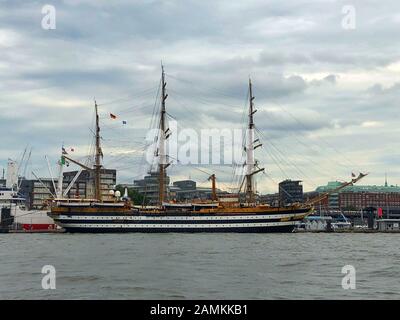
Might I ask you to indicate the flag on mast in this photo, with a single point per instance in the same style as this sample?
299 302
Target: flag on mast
63 161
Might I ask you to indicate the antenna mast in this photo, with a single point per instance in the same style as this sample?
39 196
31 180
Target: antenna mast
99 153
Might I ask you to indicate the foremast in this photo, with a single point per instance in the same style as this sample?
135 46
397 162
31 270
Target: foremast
251 145
96 170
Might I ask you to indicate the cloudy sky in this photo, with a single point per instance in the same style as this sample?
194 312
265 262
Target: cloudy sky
326 93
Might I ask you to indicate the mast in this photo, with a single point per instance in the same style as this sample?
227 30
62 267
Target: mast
249 149
162 164
97 166
250 161
95 170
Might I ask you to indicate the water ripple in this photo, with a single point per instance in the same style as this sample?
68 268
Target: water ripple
202 266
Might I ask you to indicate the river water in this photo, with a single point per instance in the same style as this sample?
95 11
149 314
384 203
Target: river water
200 266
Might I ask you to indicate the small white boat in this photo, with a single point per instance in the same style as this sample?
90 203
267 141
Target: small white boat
13 209
341 225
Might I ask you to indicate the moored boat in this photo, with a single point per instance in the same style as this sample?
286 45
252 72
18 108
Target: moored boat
173 218
19 217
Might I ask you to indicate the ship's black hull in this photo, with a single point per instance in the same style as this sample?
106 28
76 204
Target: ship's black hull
79 221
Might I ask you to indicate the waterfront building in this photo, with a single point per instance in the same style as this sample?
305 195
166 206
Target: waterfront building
83 187
185 184
187 191
179 191
149 187
36 192
270 199
356 198
290 191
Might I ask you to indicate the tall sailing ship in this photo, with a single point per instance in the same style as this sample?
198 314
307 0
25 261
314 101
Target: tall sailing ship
96 215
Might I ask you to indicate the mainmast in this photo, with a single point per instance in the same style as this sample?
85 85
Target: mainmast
162 163
99 153
250 162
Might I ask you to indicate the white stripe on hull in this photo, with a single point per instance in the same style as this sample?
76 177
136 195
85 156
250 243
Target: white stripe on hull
177 226
181 218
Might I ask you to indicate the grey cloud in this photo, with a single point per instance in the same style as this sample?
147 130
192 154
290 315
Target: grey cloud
378 89
329 79
112 50
327 57
78 77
